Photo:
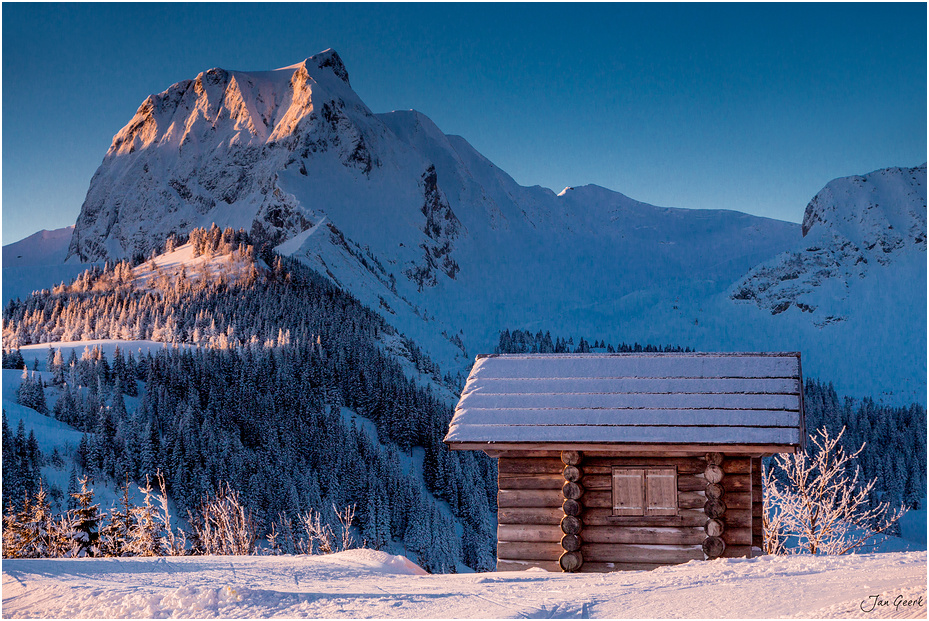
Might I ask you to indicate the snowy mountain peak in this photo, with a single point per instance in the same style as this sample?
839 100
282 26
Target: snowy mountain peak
330 59
854 226
244 107
886 207
211 149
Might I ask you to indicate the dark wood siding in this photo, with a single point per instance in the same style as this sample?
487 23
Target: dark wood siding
757 506
530 511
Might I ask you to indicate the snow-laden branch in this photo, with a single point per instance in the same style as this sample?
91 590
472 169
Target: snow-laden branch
821 507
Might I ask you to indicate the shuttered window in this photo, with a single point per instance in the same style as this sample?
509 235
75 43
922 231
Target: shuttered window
644 491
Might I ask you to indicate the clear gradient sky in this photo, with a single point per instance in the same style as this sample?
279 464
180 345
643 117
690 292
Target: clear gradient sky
747 107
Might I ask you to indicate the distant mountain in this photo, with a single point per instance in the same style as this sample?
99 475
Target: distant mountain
42 248
853 230
37 262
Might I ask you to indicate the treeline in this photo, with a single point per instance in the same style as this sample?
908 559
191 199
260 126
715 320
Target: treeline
235 301
894 439
525 342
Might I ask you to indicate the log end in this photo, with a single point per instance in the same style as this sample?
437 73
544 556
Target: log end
713 473
714 508
572 490
571 507
714 527
571 473
571 543
571 561
570 525
713 547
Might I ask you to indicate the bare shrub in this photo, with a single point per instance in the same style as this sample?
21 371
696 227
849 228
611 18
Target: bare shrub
822 506
223 526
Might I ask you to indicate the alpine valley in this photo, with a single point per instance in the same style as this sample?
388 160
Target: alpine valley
387 254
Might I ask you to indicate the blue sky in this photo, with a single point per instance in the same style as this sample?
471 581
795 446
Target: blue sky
747 107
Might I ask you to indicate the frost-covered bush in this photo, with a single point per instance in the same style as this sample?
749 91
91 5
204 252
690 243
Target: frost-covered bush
816 504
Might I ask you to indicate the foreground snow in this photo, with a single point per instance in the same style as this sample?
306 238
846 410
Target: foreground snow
366 583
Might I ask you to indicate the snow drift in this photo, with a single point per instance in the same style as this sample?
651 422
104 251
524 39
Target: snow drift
366 584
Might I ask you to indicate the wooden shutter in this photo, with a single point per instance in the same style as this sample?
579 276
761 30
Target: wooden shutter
661 491
628 491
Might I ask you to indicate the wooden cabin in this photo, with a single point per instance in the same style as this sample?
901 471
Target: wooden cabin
629 461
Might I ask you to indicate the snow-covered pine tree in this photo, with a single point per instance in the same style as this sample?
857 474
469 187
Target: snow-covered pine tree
145 533
115 535
87 520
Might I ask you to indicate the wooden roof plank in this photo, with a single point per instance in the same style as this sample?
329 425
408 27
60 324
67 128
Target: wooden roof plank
617 433
503 401
607 365
606 416
634 385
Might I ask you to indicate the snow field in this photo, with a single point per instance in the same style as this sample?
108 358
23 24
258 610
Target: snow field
367 583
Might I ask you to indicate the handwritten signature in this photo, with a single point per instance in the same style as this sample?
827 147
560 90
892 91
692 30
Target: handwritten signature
876 601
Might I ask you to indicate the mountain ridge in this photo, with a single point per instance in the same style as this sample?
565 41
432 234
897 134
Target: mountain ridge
447 246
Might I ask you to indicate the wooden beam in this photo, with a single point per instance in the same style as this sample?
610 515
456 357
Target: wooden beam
523 565
516 498
529 533
529 551
599 567
737 551
530 481
630 553
530 516
657 535
528 465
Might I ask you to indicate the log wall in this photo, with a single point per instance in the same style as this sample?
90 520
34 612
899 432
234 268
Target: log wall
534 498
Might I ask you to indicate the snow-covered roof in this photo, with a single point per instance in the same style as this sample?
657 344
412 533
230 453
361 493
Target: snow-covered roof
666 398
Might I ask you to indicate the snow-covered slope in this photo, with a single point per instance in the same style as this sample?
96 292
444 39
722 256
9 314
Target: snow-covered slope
42 248
371 584
36 262
855 229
